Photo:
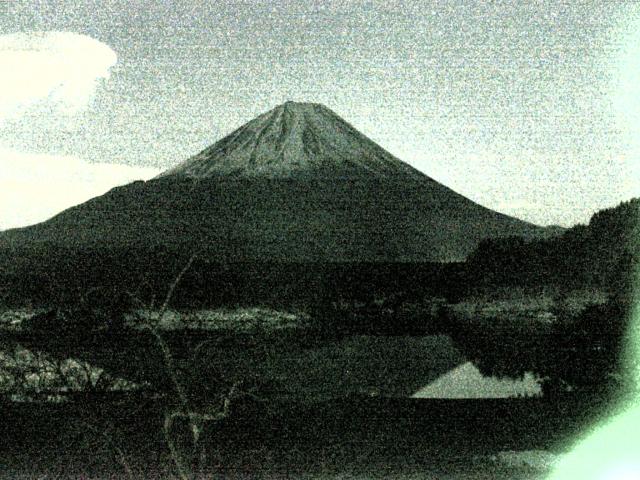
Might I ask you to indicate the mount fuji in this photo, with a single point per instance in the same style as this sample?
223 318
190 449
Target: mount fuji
296 184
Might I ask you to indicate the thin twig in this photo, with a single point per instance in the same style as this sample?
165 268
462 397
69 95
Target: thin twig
175 283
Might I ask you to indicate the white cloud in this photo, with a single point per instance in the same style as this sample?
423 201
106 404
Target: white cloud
56 71
34 187
51 74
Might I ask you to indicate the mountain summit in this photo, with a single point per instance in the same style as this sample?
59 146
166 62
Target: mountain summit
295 140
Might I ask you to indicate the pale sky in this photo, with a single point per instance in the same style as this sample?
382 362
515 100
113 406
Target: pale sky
528 107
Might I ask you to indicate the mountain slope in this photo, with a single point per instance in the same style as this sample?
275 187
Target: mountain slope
296 185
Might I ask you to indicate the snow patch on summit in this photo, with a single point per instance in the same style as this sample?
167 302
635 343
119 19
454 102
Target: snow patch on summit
295 140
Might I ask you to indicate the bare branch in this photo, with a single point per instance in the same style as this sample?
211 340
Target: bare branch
175 283
195 419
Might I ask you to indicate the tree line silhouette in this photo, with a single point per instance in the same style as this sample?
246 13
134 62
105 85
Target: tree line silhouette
601 254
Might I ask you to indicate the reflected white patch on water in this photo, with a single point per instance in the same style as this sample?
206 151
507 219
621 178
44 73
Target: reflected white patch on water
466 381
